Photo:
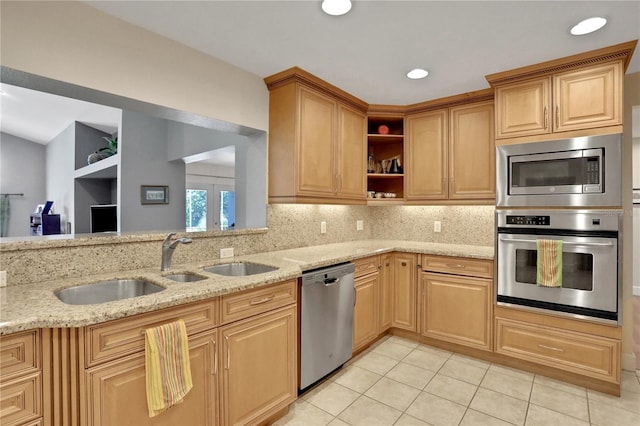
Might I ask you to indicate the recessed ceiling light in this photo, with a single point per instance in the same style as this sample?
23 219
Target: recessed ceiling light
417 73
336 7
588 25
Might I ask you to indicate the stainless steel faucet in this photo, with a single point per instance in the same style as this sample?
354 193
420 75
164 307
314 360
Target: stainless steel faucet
168 247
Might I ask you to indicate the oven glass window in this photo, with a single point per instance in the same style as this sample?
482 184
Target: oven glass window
567 171
577 269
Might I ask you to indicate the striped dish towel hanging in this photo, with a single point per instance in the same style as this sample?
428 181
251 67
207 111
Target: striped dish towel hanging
549 265
168 371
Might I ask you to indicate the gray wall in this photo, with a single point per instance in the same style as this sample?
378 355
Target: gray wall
143 149
59 173
22 169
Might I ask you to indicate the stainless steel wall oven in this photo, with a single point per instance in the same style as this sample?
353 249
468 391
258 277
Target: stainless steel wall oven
591 261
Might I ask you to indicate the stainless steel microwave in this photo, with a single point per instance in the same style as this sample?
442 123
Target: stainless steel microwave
578 172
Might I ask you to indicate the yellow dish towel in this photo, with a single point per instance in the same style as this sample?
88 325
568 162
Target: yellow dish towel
168 371
549 265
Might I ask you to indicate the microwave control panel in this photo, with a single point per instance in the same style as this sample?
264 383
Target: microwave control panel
528 220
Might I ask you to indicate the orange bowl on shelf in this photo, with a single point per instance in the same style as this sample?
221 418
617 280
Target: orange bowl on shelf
383 130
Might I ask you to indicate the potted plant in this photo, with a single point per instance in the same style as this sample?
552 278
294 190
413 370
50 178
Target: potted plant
103 153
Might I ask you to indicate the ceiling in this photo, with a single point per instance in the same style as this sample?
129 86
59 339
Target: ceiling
368 51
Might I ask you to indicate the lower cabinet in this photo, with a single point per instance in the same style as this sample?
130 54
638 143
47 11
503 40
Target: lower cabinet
20 379
117 390
590 350
385 287
365 311
456 305
259 366
404 295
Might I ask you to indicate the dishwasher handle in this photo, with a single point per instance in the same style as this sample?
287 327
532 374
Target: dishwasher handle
328 282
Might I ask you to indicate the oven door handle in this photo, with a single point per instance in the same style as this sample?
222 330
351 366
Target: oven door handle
568 243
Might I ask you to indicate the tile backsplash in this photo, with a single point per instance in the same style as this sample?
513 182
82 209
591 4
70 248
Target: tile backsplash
290 226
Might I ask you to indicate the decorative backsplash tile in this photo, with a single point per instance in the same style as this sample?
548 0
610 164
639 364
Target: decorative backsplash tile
290 226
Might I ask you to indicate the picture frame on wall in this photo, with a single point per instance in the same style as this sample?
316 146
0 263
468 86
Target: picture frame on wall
154 194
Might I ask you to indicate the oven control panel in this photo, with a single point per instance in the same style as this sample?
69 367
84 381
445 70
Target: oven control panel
528 220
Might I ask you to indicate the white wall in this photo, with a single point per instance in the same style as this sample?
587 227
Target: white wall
22 169
73 42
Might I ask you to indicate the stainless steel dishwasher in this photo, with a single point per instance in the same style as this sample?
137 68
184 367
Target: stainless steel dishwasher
326 321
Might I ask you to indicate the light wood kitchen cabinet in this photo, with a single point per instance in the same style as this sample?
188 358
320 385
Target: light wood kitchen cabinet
117 390
385 286
426 155
382 146
588 349
573 100
457 300
20 379
451 153
259 366
365 311
472 152
366 302
316 141
404 294
574 96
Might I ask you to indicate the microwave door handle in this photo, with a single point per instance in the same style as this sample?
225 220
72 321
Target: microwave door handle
567 243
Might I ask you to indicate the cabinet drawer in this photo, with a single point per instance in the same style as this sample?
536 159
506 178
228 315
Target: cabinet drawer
366 266
593 356
21 400
125 336
458 266
19 353
252 302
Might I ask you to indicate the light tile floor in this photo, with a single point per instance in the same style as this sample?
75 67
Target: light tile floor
401 382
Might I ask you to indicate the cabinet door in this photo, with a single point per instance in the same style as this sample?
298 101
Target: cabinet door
259 366
350 154
316 135
457 309
426 156
523 109
404 297
588 98
365 324
117 390
385 291
472 152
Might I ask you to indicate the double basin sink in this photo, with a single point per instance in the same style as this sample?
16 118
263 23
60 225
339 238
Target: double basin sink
111 290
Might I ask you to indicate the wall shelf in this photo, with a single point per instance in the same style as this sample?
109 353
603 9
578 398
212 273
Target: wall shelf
103 169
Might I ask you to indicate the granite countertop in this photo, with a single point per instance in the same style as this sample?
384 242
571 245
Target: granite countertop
28 306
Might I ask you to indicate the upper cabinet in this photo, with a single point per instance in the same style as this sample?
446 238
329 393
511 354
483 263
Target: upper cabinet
574 96
386 157
316 141
451 151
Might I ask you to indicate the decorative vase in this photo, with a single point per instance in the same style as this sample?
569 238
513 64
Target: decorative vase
100 154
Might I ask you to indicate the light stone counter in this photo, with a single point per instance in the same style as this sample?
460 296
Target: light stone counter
34 305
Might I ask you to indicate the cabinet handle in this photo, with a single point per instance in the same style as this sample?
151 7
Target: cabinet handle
226 338
355 295
380 266
557 116
418 266
261 301
459 266
551 348
545 117
387 264
403 263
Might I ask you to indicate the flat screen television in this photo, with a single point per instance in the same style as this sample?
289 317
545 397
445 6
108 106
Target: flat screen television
104 218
